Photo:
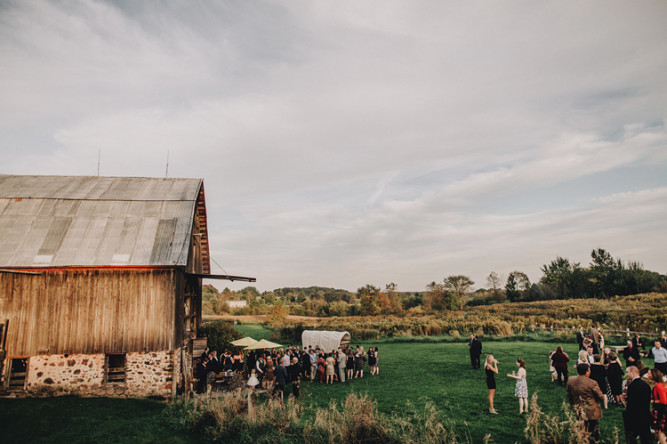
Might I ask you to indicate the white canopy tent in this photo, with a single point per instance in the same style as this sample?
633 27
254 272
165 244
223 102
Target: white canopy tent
327 340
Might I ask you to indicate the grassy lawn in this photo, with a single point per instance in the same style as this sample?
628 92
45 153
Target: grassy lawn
441 373
255 331
409 373
84 420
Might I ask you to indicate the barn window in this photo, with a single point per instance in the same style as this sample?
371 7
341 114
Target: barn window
114 369
18 370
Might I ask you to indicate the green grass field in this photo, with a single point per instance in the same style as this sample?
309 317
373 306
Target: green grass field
409 373
441 373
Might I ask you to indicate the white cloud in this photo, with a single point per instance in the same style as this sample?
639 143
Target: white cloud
357 142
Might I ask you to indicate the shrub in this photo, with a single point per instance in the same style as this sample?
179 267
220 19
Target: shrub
219 334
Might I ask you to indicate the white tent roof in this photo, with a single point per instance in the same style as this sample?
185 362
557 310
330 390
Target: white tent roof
327 340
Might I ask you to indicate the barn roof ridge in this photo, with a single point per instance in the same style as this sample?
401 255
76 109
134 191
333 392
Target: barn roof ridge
98 220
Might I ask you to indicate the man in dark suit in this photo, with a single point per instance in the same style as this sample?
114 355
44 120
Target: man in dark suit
637 414
585 396
475 351
580 338
631 355
280 373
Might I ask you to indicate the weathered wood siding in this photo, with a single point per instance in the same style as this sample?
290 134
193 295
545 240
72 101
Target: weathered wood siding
91 310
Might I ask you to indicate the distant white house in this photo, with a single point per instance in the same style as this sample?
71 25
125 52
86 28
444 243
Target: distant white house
237 304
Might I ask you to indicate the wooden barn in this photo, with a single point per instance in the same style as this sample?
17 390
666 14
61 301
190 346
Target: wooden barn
100 283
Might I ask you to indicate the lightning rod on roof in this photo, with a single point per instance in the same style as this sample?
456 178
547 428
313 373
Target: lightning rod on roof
166 173
99 154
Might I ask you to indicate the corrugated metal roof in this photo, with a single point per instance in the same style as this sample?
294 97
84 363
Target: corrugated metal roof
62 221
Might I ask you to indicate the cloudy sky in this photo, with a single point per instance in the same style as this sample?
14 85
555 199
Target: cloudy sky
353 142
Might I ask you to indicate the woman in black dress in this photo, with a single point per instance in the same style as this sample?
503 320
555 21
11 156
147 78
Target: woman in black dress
491 368
371 360
349 365
599 375
615 378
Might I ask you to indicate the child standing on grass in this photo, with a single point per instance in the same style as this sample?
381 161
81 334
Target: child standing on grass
521 389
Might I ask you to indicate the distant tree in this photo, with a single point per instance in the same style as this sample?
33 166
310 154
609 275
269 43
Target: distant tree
460 285
278 314
605 273
385 304
494 282
368 297
517 286
438 298
565 279
394 299
338 308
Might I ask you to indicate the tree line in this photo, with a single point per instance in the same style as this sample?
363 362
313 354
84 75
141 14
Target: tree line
604 277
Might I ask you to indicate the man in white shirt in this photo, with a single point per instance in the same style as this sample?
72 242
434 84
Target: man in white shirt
285 360
660 357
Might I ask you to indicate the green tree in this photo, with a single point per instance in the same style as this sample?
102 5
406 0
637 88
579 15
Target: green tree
517 286
395 300
438 298
219 335
565 279
605 273
338 308
369 299
460 285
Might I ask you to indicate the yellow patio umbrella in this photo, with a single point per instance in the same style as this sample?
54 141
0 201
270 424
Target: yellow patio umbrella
244 342
263 344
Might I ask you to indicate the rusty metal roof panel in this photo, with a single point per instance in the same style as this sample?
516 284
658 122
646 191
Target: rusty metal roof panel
95 221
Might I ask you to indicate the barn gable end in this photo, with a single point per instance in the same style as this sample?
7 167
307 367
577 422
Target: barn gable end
100 281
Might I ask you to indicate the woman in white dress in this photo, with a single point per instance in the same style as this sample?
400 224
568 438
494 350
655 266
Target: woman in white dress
521 389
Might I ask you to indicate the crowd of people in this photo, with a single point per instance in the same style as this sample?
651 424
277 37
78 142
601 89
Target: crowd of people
600 382
275 369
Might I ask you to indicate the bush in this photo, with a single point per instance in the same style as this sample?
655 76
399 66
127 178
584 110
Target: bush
219 334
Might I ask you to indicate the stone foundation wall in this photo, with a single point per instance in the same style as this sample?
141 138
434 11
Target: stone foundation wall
146 374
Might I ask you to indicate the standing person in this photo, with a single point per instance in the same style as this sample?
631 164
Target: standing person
660 357
475 346
631 355
580 338
598 373
371 360
636 417
359 364
349 365
341 360
331 370
313 364
321 368
560 360
269 375
204 355
659 413
615 378
663 339
521 388
585 396
200 373
305 364
595 336
491 369
377 361
281 379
